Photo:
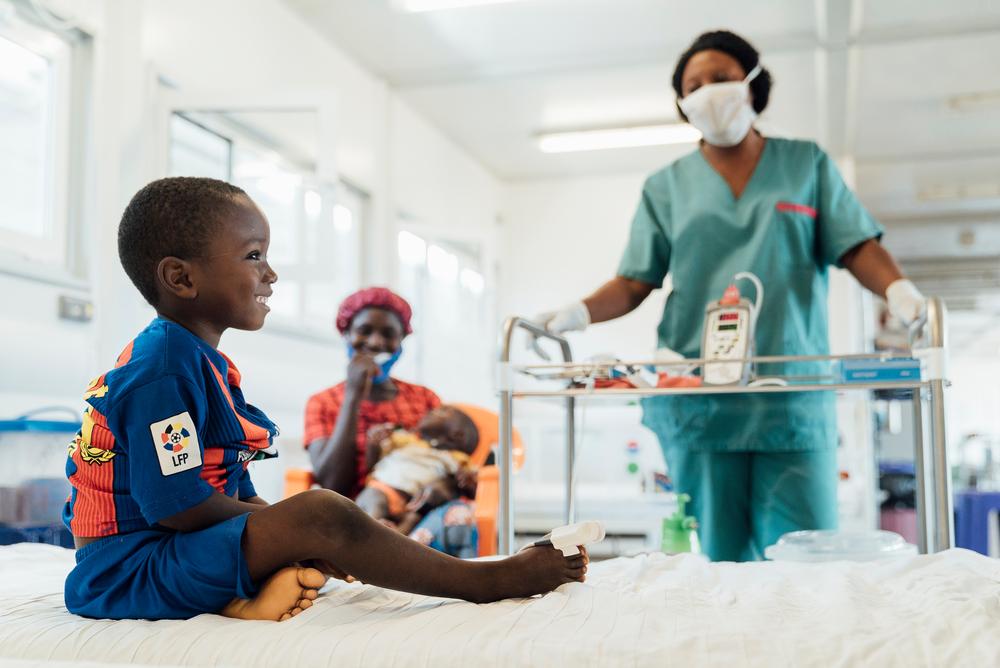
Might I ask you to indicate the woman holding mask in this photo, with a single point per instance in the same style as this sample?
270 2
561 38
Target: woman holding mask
345 424
755 465
374 322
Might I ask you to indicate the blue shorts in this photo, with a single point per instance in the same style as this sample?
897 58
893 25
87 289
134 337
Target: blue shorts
153 574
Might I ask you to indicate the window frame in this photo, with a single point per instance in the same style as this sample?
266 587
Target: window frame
50 258
319 175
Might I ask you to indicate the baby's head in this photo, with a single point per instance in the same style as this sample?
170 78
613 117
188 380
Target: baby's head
448 428
197 247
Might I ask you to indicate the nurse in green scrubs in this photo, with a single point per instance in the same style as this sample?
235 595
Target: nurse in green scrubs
755 465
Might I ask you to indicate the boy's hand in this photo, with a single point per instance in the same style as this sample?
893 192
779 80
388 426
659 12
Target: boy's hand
361 370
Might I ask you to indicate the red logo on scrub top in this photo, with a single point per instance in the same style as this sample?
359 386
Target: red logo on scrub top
791 207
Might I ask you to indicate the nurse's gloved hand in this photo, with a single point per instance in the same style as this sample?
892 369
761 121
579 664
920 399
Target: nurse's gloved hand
906 304
572 318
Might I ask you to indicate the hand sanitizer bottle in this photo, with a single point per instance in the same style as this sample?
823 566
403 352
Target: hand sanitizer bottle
680 530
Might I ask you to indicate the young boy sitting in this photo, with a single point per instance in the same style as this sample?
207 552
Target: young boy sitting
418 471
165 518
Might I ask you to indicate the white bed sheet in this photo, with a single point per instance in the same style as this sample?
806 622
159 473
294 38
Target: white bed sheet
643 611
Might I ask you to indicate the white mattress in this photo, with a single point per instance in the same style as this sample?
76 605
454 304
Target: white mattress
642 611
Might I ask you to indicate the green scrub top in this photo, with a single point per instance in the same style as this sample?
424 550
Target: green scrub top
795 218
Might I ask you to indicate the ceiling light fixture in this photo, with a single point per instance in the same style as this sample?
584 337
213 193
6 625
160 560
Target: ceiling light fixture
436 5
965 191
607 138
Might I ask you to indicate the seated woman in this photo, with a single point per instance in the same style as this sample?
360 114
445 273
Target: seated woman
374 322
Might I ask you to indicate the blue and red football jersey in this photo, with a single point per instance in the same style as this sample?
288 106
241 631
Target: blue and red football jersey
163 431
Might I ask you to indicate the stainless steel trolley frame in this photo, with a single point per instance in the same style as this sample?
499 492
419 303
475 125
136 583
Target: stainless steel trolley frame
933 479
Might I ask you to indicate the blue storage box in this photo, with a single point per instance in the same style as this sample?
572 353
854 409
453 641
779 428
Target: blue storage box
33 484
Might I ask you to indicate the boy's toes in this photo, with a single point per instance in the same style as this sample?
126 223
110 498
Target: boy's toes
310 578
304 603
309 594
285 617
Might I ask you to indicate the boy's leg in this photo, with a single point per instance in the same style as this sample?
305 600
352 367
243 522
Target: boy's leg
325 526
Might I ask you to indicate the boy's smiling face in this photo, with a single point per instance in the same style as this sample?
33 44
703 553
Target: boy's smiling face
232 278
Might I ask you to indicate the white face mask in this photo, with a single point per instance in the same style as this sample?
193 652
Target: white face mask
722 111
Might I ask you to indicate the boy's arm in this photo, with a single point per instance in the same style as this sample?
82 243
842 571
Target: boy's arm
160 423
216 508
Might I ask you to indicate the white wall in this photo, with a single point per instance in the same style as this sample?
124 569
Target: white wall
435 181
561 240
259 45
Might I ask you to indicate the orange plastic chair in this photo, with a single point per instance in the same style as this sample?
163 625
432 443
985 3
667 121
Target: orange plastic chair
487 503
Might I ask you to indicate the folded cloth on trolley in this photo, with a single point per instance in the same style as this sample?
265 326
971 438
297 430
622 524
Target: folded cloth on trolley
649 610
663 380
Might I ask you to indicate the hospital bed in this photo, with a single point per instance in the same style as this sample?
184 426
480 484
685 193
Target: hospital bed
647 610
650 610
935 519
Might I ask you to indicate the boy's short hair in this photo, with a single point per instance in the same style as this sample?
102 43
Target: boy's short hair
174 217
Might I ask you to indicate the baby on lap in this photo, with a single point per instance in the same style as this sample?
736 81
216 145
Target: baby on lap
418 471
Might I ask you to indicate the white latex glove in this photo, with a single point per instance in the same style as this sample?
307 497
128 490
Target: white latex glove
572 318
906 304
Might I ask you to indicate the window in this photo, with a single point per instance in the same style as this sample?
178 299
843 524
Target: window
316 227
444 281
197 151
36 101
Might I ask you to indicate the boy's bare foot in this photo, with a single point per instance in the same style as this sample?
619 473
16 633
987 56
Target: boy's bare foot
535 570
282 596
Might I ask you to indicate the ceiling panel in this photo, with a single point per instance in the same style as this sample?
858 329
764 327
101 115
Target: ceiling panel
498 121
886 16
884 74
540 35
910 139
923 188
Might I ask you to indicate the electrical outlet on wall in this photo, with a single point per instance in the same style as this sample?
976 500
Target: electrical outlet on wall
75 308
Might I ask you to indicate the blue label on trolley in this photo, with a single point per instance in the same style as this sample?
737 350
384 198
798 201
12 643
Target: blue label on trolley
876 371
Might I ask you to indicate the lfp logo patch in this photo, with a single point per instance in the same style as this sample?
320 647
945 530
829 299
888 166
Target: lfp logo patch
175 437
176 443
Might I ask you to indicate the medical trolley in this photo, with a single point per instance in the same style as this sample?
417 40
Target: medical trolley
935 524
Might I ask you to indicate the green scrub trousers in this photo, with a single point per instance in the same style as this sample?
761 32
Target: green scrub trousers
755 465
